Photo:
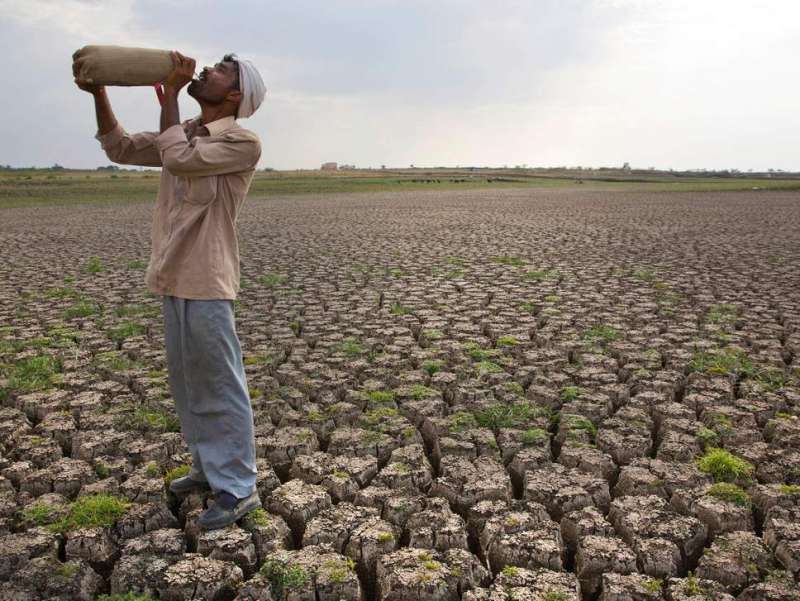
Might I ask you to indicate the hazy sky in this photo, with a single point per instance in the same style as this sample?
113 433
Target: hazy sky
665 83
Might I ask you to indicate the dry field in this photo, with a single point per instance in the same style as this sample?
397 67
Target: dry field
488 395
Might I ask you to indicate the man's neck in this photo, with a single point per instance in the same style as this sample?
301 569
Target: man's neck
211 113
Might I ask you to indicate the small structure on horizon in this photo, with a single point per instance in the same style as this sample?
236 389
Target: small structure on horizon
329 166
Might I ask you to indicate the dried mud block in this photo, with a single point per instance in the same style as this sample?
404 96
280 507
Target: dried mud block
298 502
66 477
591 460
631 587
270 532
783 431
312 574
779 586
358 442
437 527
97 546
720 516
17 549
284 444
257 588
658 557
266 478
231 544
649 518
198 577
735 560
145 559
342 477
334 526
144 517
48 578
528 459
695 589
55 505
90 444
369 541
597 555
583 522
408 574
141 487
525 539
464 483
528 585
40 451
408 470
782 535
562 490
624 441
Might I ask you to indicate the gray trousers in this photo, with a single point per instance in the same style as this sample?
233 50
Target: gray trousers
207 379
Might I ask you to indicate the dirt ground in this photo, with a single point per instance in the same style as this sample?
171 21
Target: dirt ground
544 395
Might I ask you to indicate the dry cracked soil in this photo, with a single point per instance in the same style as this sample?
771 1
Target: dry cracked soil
519 395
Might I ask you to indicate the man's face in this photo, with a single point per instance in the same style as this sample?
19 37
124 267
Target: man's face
214 83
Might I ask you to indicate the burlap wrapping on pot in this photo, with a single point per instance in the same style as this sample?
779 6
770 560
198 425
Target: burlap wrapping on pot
121 66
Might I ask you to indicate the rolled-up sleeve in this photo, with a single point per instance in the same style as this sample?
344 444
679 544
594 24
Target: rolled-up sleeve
205 156
130 149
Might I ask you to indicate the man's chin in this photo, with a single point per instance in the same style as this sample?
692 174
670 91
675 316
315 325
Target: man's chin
193 88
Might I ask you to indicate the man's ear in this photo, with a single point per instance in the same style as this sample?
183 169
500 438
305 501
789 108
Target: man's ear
234 96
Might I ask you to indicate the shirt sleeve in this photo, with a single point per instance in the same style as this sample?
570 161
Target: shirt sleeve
130 149
206 155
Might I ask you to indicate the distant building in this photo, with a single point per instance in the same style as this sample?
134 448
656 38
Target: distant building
329 167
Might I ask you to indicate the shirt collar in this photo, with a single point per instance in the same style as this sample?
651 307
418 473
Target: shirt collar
215 128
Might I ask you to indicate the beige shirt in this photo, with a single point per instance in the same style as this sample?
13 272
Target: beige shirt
204 181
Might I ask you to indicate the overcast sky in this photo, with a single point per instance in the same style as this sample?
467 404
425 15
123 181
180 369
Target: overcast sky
665 83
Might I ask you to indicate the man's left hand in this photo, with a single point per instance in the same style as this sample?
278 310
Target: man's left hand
181 74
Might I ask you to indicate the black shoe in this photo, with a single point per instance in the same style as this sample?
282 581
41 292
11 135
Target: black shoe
221 514
185 485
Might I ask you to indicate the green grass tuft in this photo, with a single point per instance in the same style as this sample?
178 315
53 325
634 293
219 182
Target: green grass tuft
125 330
283 576
34 374
148 419
534 436
94 265
570 393
506 260
722 362
602 332
91 511
724 466
349 346
514 415
272 280
731 493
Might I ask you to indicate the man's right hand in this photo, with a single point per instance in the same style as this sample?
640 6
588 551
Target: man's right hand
86 86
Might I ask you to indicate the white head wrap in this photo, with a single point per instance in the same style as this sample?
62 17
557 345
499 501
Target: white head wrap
252 87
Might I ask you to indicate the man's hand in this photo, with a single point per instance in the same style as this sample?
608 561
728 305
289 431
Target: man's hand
92 88
181 74
83 84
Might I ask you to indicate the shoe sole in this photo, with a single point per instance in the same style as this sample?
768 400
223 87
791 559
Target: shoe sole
189 488
237 515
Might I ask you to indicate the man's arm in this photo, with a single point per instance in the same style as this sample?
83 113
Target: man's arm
236 153
119 146
182 73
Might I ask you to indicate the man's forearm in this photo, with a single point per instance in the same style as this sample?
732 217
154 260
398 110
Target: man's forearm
170 113
106 121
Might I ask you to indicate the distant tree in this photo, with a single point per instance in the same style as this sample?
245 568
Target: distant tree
626 166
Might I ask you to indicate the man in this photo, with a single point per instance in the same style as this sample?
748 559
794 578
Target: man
208 164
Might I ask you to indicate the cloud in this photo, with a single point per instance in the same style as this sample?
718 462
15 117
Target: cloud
592 82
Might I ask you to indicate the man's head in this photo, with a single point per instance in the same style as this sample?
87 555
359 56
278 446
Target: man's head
231 81
219 84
